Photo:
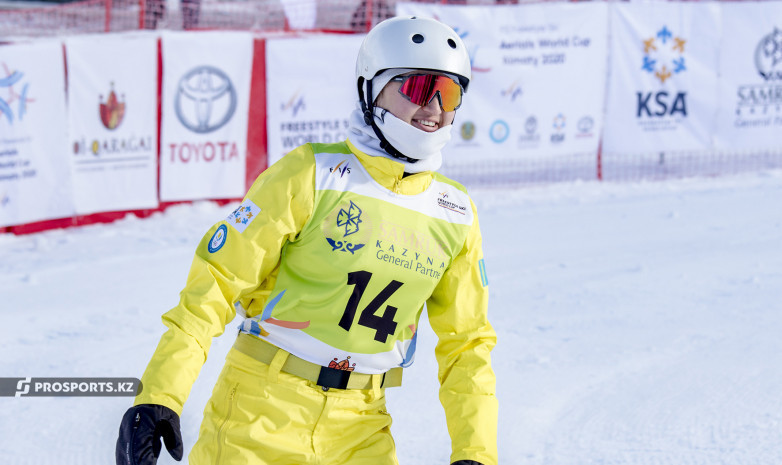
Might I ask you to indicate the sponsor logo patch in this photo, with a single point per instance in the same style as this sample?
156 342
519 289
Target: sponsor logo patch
244 214
218 239
448 205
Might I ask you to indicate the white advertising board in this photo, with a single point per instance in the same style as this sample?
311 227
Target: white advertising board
310 98
750 90
662 82
206 95
35 172
112 121
538 78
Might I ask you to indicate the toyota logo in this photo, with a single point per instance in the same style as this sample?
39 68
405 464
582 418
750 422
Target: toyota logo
205 99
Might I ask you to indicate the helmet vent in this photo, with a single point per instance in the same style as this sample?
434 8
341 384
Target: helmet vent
418 38
451 43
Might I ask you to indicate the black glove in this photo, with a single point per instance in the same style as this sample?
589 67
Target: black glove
140 432
466 462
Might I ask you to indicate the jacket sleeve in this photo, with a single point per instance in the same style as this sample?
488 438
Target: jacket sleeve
458 315
226 270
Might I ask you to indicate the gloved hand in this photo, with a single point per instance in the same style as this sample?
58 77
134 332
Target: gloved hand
466 462
140 432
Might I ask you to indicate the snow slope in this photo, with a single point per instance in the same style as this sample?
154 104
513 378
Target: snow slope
637 323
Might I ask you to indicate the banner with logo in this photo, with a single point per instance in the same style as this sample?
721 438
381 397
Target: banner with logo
35 172
112 115
206 95
309 99
662 84
750 91
538 79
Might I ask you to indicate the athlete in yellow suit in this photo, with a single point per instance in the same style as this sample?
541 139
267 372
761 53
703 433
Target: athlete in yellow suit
331 257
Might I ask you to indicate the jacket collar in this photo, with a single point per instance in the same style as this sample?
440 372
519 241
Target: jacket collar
391 174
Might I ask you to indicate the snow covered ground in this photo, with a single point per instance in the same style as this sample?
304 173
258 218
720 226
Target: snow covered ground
638 324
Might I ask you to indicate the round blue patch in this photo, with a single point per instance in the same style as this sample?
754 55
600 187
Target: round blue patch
218 239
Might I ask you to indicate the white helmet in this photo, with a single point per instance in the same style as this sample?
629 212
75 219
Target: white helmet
407 43
411 42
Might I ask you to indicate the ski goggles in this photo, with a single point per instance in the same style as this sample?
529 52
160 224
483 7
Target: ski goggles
422 88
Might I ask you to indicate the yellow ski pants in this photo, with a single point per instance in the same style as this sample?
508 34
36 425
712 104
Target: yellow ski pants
259 415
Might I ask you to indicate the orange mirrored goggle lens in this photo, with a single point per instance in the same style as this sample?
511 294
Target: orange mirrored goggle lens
422 88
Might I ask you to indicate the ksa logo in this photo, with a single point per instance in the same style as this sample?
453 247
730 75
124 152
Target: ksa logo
13 104
112 110
664 59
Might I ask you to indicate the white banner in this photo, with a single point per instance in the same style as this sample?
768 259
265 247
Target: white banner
35 172
112 114
206 95
309 98
538 81
663 77
750 91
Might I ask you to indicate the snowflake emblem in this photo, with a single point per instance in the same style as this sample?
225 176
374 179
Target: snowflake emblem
663 55
349 219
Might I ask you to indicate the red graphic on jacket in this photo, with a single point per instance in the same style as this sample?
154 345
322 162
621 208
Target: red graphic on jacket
344 365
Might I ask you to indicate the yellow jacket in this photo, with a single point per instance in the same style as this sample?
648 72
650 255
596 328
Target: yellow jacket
457 308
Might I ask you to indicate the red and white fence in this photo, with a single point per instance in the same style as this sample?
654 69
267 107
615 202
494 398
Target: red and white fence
93 126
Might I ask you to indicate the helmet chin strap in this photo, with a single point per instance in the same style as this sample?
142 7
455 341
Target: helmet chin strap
367 110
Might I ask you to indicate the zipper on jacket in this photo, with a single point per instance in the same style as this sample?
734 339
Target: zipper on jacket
231 397
129 447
